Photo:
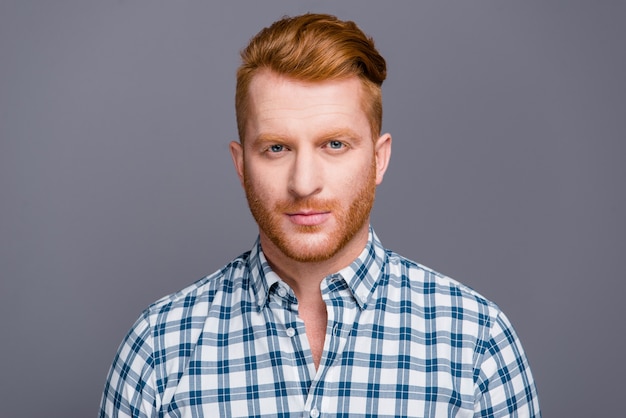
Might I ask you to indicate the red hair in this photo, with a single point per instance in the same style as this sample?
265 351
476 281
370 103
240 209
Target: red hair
314 47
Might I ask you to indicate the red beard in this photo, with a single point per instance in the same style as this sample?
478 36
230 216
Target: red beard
349 220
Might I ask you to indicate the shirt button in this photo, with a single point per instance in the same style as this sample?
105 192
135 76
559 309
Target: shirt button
281 292
291 332
314 413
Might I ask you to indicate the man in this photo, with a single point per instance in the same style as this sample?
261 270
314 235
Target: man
318 318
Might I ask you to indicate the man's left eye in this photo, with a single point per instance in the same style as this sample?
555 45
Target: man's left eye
335 144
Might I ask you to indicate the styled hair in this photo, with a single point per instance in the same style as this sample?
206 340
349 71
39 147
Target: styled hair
314 48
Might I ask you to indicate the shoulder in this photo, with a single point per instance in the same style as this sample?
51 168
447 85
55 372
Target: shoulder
164 336
456 318
196 299
438 294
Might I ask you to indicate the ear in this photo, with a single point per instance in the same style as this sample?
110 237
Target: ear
236 152
382 152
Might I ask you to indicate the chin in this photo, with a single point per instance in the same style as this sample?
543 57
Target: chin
309 249
313 246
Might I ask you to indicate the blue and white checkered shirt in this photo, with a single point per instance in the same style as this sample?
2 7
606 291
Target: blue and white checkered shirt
402 340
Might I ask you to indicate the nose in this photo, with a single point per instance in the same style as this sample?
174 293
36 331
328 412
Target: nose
306 175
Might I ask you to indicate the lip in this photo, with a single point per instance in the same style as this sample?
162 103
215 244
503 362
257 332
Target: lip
308 218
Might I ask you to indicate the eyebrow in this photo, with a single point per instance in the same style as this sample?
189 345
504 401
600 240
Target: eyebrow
340 133
324 136
264 138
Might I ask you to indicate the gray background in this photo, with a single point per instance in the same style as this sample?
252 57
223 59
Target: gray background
116 186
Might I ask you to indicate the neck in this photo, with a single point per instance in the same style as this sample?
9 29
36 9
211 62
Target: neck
305 277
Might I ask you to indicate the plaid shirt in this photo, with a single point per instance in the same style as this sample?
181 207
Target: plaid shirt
402 340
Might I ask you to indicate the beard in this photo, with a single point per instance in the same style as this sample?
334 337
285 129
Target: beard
308 243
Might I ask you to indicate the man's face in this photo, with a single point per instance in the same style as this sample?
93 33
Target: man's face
309 166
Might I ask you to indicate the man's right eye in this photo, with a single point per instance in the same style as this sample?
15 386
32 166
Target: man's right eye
276 148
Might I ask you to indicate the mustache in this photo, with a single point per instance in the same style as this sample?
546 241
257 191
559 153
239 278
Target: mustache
307 204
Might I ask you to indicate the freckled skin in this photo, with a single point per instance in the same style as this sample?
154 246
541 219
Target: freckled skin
308 166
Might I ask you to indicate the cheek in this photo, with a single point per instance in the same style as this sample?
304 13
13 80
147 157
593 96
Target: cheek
349 184
264 183
354 177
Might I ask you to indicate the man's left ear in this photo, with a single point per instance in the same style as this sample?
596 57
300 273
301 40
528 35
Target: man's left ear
382 152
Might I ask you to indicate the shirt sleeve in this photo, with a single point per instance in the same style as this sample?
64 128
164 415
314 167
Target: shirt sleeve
504 383
130 387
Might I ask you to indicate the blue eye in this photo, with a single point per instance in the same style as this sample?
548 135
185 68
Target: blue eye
276 148
335 144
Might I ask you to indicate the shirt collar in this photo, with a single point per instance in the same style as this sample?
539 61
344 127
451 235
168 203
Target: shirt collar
262 277
362 275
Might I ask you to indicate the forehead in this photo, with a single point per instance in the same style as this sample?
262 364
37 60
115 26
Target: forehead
280 102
